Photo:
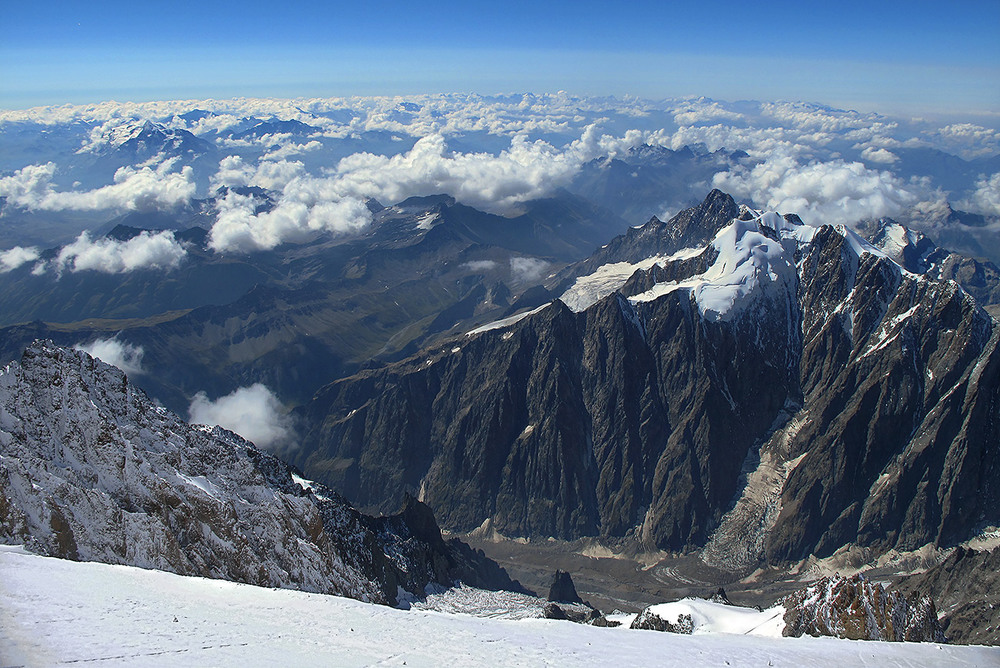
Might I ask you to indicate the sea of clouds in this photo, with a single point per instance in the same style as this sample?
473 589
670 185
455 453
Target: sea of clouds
493 153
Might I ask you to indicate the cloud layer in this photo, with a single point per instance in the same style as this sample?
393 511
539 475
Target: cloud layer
493 153
253 412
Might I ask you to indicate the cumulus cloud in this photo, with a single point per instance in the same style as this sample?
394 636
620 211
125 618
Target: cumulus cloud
15 257
253 412
967 139
881 155
306 206
133 189
497 183
703 110
125 356
820 192
525 170
527 269
111 256
985 198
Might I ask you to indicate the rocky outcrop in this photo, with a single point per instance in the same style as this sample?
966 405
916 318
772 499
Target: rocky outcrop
857 609
966 586
900 382
91 469
562 589
649 620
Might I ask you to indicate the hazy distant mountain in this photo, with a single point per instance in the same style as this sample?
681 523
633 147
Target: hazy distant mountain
651 179
275 127
303 314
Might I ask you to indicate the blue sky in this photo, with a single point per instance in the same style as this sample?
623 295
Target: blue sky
913 57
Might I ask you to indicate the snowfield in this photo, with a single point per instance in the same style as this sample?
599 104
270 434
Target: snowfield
54 612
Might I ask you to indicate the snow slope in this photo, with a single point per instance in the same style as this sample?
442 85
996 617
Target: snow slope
56 611
751 259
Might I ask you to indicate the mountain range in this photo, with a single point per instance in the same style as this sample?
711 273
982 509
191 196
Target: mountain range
731 380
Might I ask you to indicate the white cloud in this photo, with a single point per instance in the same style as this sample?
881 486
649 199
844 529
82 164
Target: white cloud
308 204
290 148
967 139
158 250
133 189
820 192
15 257
125 356
252 412
701 110
480 265
527 269
872 154
29 185
526 170
986 197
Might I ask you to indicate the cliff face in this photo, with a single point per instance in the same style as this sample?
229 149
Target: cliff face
92 470
782 390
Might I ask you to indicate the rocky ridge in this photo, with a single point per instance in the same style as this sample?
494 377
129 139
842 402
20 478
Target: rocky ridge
92 470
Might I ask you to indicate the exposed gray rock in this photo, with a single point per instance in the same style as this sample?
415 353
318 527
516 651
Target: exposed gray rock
605 622
562 589
857 609
91 470
918 254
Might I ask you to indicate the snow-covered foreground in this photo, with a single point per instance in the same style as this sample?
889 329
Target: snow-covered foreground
54 611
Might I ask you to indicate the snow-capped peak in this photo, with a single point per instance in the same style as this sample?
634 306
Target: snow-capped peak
750 257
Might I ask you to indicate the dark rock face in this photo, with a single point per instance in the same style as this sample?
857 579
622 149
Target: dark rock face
857 609
899 382
578 614
967 588
872 392
553 611
562 589
413 542
719 596
90 469
574 425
